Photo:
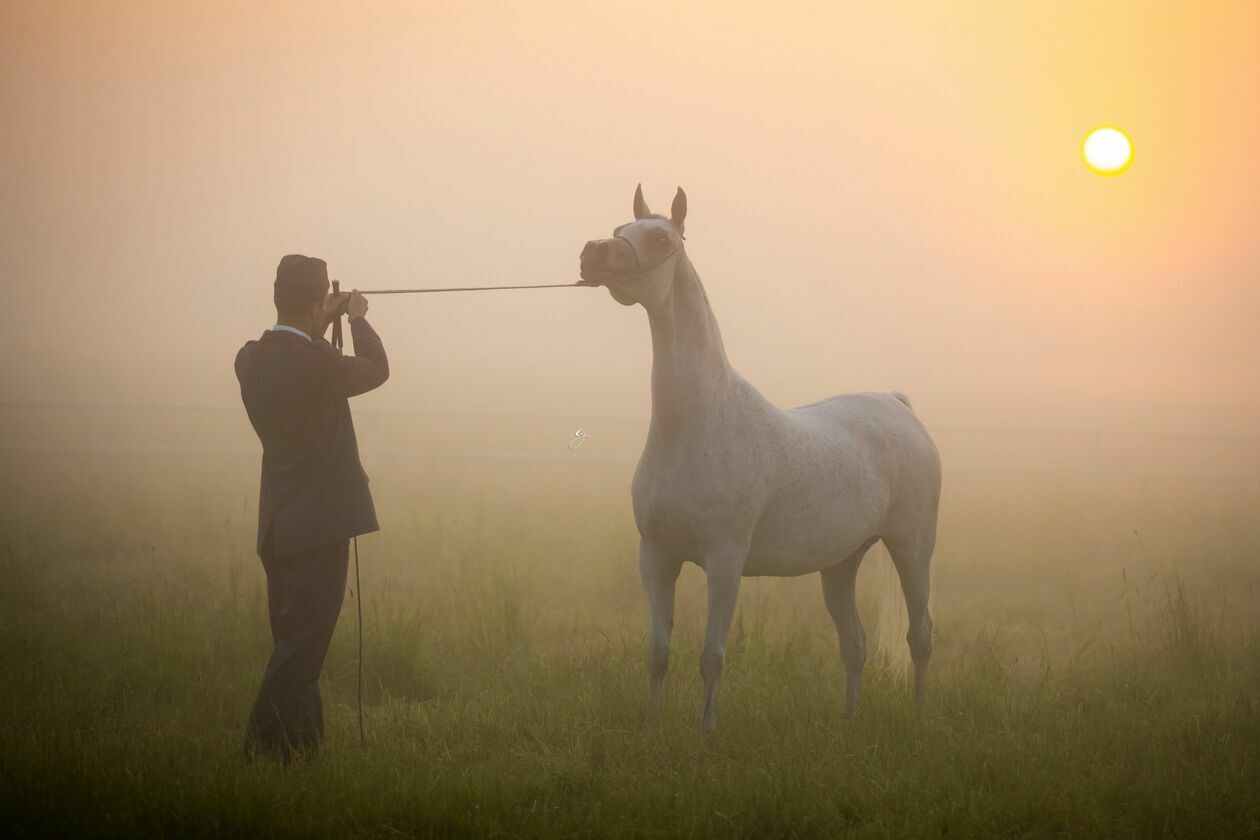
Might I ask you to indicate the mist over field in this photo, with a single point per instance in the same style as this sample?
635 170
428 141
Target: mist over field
880 197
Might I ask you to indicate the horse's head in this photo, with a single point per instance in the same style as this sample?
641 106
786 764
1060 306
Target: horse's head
637 262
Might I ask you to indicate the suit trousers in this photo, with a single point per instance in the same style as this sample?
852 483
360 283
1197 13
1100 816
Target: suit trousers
305 592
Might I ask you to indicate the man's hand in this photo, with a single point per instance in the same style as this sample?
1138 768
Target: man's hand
334 305
357 306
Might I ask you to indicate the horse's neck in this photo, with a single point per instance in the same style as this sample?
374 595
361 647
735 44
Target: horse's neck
690 372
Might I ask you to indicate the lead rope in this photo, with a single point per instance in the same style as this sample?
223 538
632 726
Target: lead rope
579 284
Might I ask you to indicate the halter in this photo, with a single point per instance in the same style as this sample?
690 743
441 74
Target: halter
638 267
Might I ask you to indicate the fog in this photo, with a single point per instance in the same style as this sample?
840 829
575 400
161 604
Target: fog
879 198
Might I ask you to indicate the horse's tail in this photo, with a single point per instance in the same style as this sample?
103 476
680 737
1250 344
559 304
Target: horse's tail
891 623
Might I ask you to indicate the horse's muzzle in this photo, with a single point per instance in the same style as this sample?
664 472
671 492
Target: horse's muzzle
603 260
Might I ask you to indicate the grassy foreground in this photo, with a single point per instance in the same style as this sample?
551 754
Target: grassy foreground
1097 671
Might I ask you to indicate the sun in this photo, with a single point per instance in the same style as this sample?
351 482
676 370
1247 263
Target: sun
1107 150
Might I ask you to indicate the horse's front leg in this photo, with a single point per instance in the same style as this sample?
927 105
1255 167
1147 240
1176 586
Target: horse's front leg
724 570
659 573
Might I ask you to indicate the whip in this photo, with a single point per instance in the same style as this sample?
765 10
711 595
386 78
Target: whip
358 590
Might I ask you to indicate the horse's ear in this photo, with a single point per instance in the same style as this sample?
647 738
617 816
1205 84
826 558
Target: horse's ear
678 213
641 210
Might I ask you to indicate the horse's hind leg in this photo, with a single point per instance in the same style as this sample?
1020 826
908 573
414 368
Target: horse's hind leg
659 574
912 555
839 584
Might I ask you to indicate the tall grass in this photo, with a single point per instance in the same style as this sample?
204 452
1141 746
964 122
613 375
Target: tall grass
1096 671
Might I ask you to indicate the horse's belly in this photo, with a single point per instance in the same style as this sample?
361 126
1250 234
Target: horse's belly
788 546
775 562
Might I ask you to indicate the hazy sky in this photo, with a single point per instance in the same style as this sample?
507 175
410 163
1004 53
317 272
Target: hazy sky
882 195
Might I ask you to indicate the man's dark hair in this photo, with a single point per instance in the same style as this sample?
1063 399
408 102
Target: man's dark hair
301 282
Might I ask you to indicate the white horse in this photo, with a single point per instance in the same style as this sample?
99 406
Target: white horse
743 488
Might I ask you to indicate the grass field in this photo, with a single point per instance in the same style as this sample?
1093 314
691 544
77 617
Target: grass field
1096 669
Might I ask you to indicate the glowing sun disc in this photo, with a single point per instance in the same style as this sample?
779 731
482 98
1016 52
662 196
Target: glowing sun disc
1107 150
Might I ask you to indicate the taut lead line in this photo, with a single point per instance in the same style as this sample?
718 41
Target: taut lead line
580 283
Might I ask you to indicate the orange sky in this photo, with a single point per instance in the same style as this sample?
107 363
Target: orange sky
881 196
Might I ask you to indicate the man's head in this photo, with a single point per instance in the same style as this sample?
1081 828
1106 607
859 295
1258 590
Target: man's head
301 287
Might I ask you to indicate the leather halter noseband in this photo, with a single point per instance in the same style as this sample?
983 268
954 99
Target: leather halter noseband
638 268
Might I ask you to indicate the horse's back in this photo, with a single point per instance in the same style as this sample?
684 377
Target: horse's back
872 419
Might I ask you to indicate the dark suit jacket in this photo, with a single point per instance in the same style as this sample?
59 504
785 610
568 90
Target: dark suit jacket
314 490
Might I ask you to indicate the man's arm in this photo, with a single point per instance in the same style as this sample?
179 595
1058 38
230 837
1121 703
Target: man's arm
368 368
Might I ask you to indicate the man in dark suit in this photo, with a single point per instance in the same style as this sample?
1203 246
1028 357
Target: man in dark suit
314 493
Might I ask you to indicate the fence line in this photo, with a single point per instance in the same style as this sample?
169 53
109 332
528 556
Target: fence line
213 408
604 458
1242 455
1017 431
256 451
